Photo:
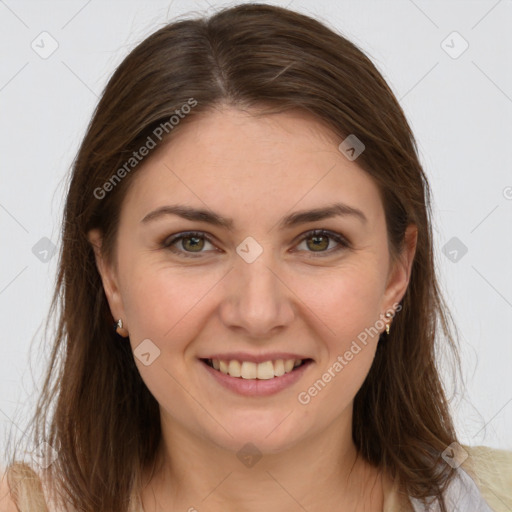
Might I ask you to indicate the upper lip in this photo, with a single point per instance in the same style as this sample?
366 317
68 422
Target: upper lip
255 358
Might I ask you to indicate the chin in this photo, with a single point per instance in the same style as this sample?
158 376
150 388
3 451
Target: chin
265 437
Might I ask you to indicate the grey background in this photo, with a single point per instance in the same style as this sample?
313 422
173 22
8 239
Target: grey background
459 107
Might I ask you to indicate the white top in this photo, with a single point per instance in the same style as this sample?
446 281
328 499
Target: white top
462 495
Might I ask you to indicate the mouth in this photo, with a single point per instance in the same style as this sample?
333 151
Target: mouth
248 370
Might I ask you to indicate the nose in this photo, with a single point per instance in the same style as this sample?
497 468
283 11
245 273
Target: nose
258 300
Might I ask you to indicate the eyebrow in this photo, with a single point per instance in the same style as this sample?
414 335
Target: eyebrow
294 219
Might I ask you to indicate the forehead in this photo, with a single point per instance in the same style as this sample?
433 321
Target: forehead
238 163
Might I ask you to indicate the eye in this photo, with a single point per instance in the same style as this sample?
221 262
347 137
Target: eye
193 243
320 241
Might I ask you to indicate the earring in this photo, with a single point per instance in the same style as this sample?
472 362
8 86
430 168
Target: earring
388 315
120 329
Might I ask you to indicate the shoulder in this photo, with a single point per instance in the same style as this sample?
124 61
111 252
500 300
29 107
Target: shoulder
483 483
491 470
21 489
6 500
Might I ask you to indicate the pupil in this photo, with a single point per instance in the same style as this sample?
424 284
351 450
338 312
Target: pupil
196 242
318 244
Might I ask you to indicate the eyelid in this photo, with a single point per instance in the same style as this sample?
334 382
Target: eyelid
169 241
342 241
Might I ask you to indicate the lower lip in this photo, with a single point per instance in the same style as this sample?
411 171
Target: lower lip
257 387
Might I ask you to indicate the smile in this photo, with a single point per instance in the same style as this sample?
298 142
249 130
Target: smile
256 379
250 370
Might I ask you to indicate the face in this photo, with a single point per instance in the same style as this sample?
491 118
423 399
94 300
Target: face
256 287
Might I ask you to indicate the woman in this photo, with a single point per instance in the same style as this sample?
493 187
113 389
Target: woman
249 302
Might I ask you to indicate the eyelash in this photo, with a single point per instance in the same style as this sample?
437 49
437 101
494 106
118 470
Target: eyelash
169 242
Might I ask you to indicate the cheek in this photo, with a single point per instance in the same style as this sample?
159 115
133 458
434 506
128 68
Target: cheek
161 302
150 303
163 305
345 300
335 386
346 304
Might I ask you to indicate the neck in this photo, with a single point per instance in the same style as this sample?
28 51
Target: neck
316 474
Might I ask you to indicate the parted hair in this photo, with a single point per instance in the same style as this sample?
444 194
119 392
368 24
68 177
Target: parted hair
93 406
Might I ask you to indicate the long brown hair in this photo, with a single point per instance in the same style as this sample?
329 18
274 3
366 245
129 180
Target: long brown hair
94 407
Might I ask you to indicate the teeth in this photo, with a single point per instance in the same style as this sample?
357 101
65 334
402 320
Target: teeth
288 365
265 370
223 366
249 370
279 368
234 369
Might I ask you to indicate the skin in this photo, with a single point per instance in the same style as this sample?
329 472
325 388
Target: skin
292 298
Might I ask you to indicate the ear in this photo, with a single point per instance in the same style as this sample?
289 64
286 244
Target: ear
108 277
400 273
